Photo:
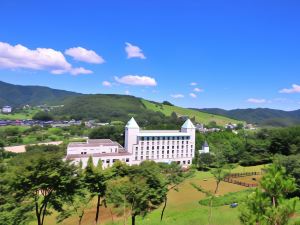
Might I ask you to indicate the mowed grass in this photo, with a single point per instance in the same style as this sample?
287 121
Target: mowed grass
200 117
183 206
28 114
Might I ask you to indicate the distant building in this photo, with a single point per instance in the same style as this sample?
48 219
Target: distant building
157 145
205 148
6 109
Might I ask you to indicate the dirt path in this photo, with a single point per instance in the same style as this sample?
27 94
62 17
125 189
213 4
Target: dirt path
21 148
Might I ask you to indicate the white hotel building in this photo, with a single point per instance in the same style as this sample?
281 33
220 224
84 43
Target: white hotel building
157 145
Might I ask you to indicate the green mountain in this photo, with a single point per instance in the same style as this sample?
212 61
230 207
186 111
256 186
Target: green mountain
261 116
103 107
18 95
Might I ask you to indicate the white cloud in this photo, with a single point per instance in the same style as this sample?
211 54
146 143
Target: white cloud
136 80
198 90
134 51
84 55
106 84
294 89
20 57
177 96
127 92
193 95
256 100
193 84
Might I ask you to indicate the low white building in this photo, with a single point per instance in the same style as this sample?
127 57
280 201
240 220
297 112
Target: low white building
6 109
106 150
205 148
158 145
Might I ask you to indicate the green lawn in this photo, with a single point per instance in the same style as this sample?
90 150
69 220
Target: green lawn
28 114
200 117
183 207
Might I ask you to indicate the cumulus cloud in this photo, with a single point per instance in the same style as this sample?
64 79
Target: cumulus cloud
127 92
136 80
134 51
106 84
294 89
193 95
198 90
20 57
177 96
256 100
84 55
193 84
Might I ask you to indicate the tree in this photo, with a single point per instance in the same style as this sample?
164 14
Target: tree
268 204
44 181
221 170
174 176
142 190
42 116
95 179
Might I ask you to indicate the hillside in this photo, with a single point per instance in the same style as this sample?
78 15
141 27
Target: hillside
104 107
18 95
261 116
200 117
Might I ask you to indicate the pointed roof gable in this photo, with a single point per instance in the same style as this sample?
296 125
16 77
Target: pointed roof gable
132 123
205 144
188 124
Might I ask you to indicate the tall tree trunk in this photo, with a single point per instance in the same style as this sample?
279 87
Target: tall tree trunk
44 213
38 215
133 219
98 208
163 210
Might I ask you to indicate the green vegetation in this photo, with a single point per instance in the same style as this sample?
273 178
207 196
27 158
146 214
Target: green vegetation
269 204
200 117
19 114
261 116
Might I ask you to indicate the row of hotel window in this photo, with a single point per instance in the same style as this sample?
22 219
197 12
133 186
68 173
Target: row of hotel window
163 142
162 147
162 157
164 138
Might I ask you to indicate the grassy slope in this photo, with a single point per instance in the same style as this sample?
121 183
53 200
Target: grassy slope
200 117
183 206
19 116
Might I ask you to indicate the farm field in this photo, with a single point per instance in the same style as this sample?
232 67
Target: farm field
183 207
200 117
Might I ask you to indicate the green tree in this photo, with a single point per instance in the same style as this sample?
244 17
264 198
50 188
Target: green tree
95 179
44 181
269 204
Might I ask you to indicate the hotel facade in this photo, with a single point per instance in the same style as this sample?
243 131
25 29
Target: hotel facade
157 145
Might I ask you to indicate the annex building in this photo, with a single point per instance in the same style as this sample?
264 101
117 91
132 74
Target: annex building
157 145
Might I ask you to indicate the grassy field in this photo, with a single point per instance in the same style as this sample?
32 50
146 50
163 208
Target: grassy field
183 206
28 114
200 117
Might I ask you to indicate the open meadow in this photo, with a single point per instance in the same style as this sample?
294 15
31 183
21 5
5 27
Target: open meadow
183 206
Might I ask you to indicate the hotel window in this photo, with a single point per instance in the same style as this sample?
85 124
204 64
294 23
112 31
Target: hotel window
157 152
191 146
152 153
177 138
152 143
168 152
182 146
136 158
142 148
177 151
187 147
147 152
177 146
172 147
167 156
162 152
181 155
158 138
141 157
157 147
172 142
182 142
168 147
163 147
142 153
142 143
147 157
136 148
189 162
107 161
183 162
157 156
152 147
147 142
172 151
147 147
187 142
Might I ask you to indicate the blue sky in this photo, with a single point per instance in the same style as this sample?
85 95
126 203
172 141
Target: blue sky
240 53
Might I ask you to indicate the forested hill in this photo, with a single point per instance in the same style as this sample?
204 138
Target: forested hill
18 95
261 116
103 107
